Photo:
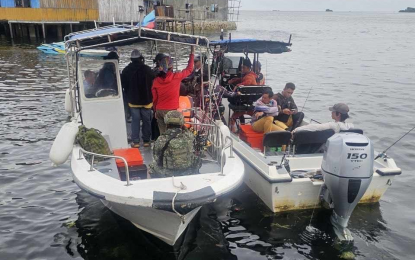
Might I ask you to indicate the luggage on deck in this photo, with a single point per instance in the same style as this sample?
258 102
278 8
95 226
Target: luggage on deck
136 167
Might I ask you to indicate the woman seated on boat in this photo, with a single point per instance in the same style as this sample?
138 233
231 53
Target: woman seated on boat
173 151
249 77
265 110
166 88
339 112
260 80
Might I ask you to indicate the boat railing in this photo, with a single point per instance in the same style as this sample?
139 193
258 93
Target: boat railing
202 121
223 154
91 169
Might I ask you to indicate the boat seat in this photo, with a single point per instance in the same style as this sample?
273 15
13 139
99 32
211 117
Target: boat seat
276 139
354 130
243 103
136 167
249 94
307 142
248 135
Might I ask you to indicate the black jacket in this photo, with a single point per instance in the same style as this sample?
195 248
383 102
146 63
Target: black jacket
284 103
137 80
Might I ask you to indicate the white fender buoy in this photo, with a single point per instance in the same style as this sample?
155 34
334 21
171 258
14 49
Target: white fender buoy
68 101
63 144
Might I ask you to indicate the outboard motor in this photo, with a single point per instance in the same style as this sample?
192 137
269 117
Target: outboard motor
347 169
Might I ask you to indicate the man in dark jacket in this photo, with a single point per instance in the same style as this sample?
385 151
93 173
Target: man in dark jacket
288 117
137 79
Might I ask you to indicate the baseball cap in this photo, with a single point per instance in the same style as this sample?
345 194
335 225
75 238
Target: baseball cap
197 58
166 63
112 56
159 56
340 107
136 54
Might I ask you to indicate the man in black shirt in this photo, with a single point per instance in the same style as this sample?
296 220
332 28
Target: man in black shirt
137 79
289 117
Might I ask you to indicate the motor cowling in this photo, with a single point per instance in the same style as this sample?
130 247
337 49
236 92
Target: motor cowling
347 169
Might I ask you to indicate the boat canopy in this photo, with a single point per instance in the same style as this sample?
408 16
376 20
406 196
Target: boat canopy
119 35
252 46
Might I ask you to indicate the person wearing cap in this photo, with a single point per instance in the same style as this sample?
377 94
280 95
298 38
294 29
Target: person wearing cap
137 79
260 80
157 61
192 85
106 82
166 88
288 115
249 77
173 151
339 113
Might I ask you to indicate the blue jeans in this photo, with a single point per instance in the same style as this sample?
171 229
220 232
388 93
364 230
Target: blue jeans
138 115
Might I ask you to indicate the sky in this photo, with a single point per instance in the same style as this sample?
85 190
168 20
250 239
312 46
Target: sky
321 5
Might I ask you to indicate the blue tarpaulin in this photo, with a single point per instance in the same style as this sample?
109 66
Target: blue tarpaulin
7 3
252 46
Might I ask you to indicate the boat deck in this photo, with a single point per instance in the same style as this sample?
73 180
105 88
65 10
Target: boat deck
109 166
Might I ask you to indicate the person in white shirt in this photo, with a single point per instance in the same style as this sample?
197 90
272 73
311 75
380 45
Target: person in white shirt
339 112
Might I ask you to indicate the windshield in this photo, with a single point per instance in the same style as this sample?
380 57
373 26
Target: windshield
99 80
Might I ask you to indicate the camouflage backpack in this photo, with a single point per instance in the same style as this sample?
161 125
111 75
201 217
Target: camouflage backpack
91 140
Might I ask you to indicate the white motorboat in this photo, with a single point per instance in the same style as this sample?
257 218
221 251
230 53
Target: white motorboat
162 207
318 168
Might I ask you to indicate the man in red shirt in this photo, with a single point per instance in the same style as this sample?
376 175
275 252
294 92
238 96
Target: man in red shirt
166 88
249 77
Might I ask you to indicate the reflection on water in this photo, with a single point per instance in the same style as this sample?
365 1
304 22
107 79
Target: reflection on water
358 58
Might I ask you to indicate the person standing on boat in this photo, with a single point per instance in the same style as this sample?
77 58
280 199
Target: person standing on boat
173 151
339 113
288 115
137 79
155 132
249 77
265 110
192 85
166 88
106 82
157 61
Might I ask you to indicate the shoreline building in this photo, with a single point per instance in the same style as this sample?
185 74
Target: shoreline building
43 18
39 18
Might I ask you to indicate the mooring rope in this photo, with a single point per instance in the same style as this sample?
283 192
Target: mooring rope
180 188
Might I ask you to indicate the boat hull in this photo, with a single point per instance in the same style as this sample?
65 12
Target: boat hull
165 225
300 194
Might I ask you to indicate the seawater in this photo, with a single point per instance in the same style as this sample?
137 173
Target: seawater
366 60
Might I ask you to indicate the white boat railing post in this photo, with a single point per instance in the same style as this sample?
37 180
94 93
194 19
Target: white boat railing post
223 154
140 11
231 146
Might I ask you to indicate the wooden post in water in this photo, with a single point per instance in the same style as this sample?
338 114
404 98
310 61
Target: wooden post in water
44 32
10 29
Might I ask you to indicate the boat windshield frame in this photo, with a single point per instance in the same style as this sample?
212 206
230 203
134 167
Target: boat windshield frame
124 35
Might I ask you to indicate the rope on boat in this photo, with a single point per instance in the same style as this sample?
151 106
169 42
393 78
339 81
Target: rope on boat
180 188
